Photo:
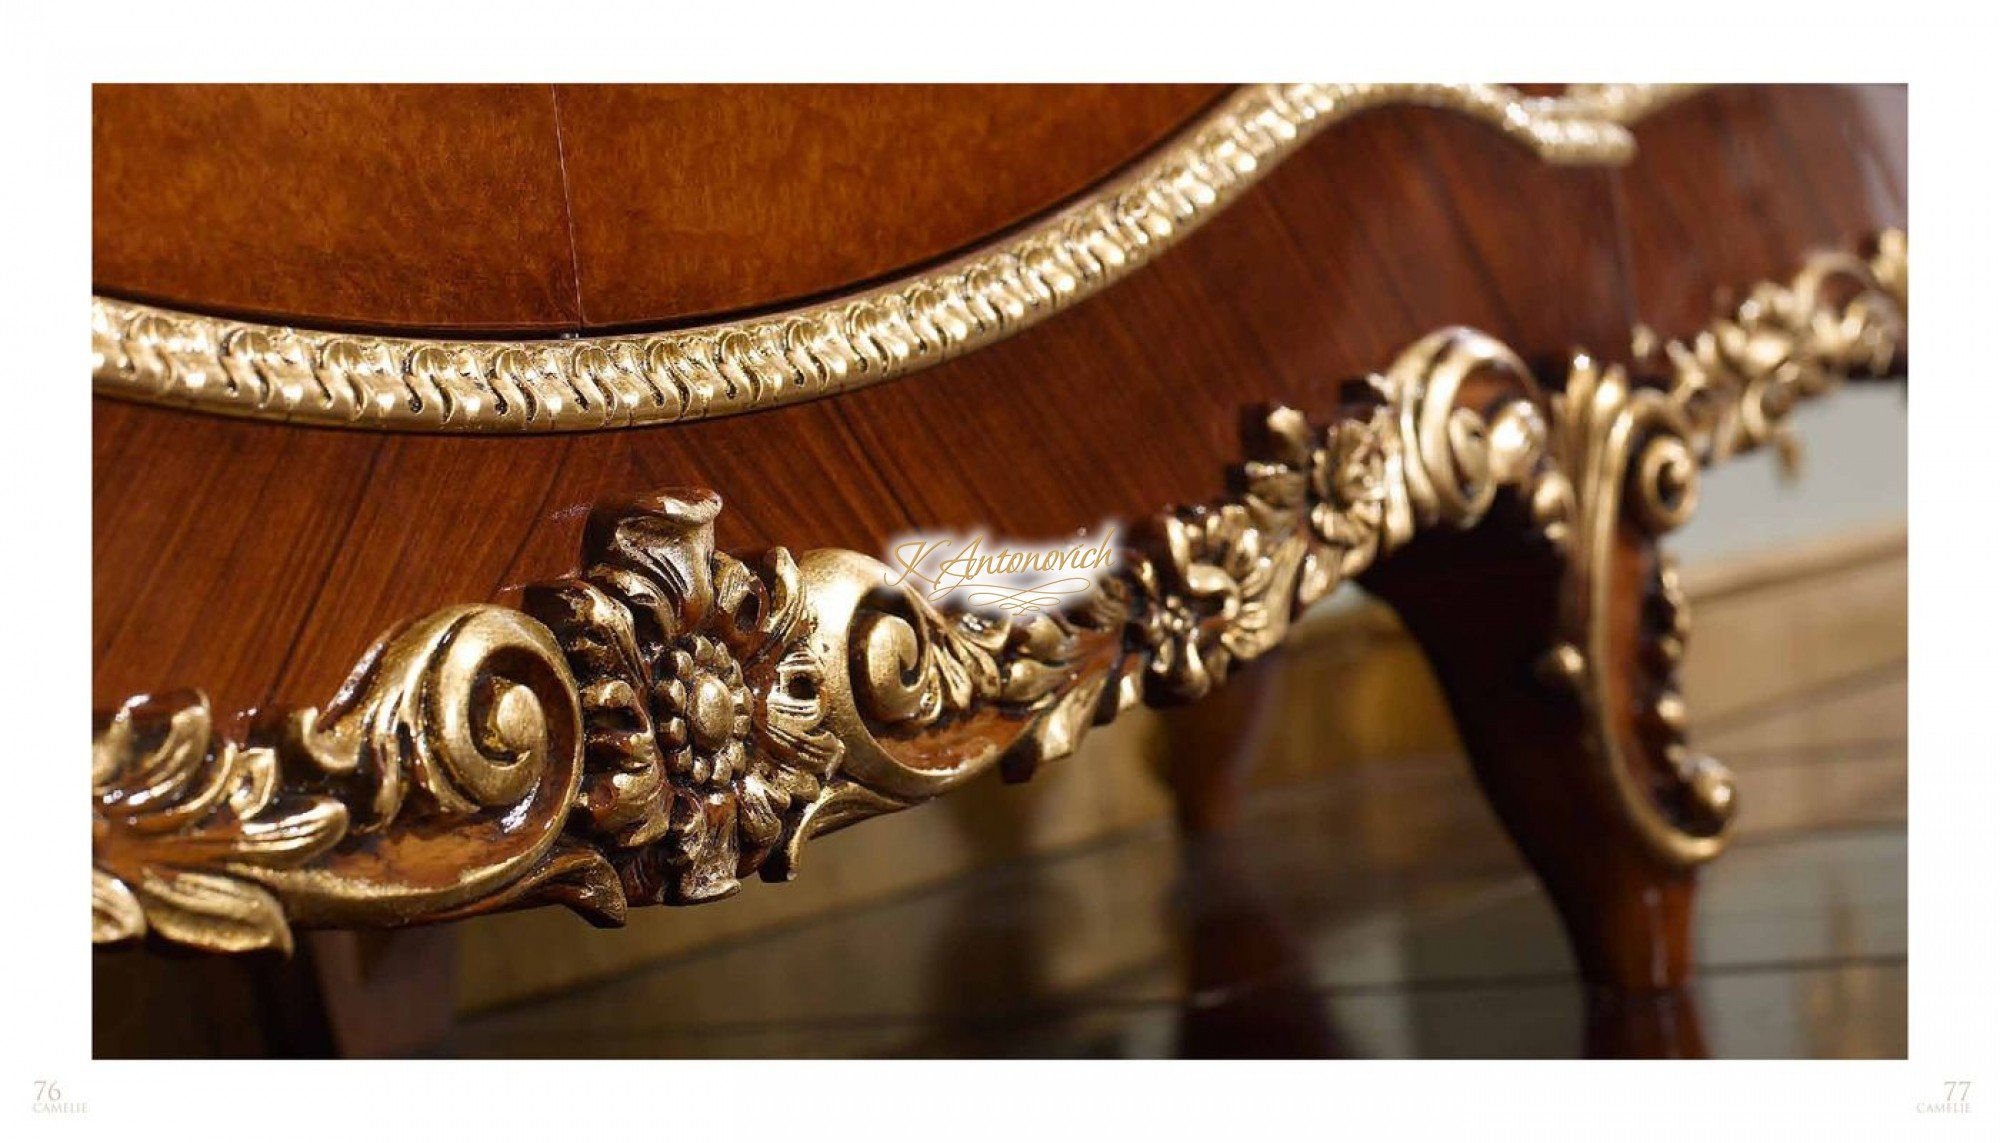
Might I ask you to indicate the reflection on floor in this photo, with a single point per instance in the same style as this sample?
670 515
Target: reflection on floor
1378 912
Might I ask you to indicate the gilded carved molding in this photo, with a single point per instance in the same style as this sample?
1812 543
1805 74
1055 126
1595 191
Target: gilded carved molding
147 353
674 719
1633 453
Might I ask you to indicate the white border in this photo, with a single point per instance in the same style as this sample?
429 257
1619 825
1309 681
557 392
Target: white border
53 52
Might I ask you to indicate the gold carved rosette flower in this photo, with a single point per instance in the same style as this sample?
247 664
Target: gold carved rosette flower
1218 584
704 708
1351 495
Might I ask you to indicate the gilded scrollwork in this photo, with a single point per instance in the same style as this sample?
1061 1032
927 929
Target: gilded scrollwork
439 776
1739 379
917 666
171 800
673 718
1220 584
1632 451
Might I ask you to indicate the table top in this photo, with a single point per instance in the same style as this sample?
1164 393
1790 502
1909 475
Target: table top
522 209
1373 231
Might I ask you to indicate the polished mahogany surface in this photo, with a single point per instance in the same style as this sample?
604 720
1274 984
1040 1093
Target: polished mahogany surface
703 200
340 205
257 560
541 208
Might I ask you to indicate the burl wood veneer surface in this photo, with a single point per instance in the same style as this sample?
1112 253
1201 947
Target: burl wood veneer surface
259 561
542 208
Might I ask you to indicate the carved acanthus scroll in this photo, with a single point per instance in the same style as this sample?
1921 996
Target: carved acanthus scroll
674 719
439 777
1633 452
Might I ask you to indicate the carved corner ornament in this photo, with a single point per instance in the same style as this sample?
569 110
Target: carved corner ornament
675 719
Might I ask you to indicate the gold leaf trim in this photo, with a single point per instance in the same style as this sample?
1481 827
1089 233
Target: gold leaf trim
247 369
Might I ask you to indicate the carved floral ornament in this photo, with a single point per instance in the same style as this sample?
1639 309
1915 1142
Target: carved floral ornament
674 719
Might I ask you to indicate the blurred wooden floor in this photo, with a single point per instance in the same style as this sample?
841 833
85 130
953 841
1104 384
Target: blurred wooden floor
1336 924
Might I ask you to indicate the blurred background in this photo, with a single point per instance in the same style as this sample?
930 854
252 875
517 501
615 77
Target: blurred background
1367 905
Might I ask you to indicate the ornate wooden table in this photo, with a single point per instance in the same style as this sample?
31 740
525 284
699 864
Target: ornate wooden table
572 429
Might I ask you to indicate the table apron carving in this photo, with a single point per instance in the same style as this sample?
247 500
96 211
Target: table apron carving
675 718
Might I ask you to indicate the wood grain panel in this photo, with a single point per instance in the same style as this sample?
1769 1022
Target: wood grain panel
692 200
477 208
430 207
212 541
1732 187
282 553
